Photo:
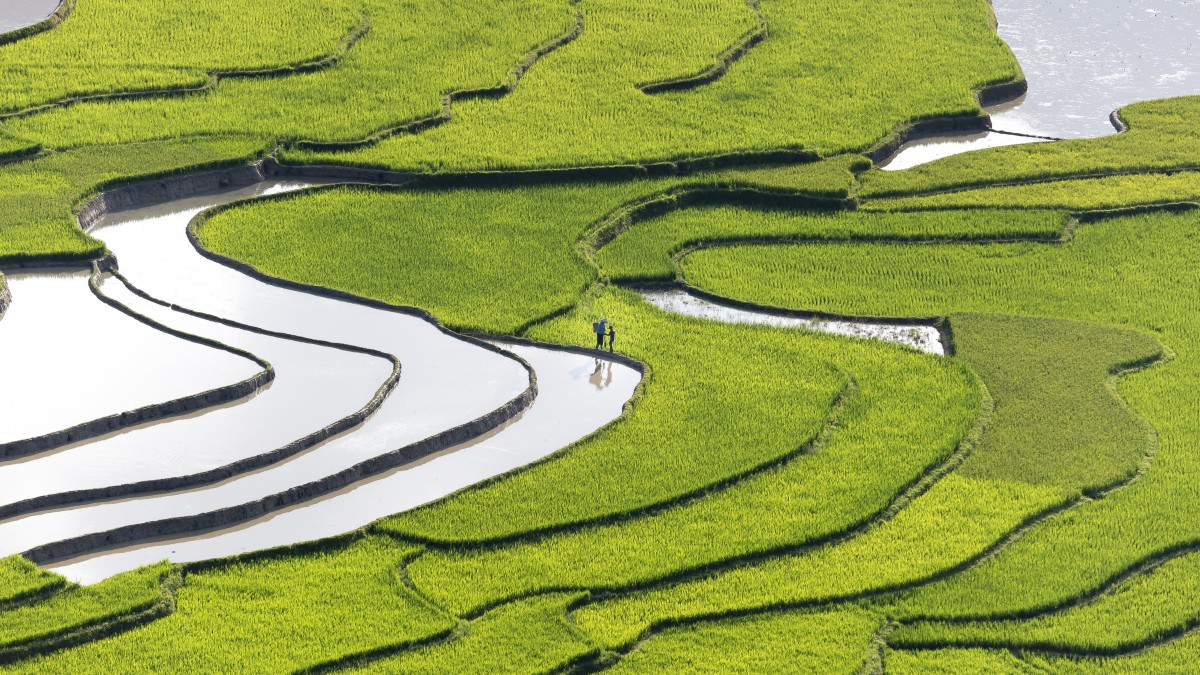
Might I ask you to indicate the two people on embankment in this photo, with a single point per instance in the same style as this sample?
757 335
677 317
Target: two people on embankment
604 328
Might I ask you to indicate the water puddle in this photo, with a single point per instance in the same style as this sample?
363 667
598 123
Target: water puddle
923 338
578 395
16 14
69 359
1082 59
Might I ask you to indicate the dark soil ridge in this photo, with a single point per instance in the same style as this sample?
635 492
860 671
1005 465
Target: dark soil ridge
445 114
153 412
221 473
725 59
96 629
210 82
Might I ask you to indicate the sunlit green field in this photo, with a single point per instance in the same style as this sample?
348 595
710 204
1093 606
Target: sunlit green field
771 500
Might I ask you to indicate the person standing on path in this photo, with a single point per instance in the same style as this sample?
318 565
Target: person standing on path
600 327
612 335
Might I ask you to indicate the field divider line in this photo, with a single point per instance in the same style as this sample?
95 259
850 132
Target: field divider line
1041 180
98 629
725 59
904 495
445 114
987 553
154 412
211 80
233 469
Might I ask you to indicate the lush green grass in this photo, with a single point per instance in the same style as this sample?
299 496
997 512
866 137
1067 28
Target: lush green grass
955 662
1021 467
803 86
647 251
1179 656
824 642
529 635
1147 609
1123 271
1162 135
1078 195
834 177
278 613
699 420
416 51
21 579
113 46
906 413
83 607
39 196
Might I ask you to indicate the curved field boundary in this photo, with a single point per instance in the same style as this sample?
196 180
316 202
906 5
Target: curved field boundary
149 413
726 59
923 484
210 82
99 629
446 114
988 95
56 17
256 462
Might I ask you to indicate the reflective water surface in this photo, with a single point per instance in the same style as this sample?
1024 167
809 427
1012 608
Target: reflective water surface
923 338
16 14
578 394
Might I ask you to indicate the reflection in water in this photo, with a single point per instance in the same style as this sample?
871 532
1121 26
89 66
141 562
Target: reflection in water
602 376
16 14
923 338
1082 60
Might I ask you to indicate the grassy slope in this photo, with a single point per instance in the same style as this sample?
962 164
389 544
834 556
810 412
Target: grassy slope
21 579
416 50
826 642
925 60
1122 271
277 613
1162 135
39 196
114 46
892 429
699 420
1029 365
1149 608
648 250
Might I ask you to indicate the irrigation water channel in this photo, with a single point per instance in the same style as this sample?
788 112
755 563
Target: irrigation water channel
1082 59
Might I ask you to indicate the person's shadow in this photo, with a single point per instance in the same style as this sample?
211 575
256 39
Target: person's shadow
602 376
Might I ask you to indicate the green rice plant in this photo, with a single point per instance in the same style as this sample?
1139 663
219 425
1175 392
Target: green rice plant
38 197
700 420
823 642
1178 656
1021 467
954 521
648 250
415 52
481 260
110 46
1078 195
532 635
1162 136
906 413
802 87
1151 607
84 607
955 662
21 579
269 613
1128 271
833 177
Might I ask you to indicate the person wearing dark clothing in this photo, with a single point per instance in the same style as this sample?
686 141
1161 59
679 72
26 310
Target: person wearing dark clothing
600 327
612 335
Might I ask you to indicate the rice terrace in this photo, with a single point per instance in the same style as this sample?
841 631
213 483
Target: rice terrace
576 336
